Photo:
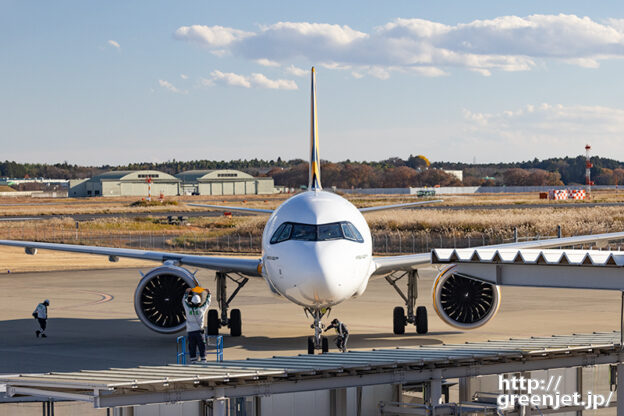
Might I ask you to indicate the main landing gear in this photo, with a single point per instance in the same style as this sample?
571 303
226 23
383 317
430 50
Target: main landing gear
234 321
318 341
399 318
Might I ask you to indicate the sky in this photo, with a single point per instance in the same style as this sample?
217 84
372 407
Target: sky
115 82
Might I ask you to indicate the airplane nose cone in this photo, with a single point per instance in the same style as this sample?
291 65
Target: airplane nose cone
326 275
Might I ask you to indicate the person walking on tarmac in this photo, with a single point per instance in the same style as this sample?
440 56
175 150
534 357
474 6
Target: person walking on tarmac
41 315
195 308
342 334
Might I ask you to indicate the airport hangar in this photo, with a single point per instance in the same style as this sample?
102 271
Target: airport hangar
193 182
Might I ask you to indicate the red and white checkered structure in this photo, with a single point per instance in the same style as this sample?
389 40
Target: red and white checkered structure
561 194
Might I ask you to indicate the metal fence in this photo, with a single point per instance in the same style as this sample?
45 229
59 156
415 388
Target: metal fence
384 242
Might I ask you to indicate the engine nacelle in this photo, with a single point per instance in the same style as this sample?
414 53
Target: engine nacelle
158 298
463 302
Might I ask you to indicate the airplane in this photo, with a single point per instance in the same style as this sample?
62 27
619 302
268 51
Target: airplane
317 253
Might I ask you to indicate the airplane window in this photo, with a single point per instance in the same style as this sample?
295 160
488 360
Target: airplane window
304 232
329 232
282 233
285 233
351 233
323 232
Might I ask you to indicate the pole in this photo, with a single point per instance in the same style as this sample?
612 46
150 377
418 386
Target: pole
220 403
588 166
620 389
622 326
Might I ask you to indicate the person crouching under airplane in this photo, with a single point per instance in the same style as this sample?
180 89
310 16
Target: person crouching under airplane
195 308
342 334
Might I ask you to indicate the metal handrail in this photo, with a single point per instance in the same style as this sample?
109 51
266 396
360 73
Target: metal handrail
210 340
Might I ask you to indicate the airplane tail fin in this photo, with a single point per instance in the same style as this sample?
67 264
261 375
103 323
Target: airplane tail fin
314 182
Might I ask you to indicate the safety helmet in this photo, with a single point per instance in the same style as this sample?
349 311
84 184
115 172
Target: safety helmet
335 321
46 302
196 300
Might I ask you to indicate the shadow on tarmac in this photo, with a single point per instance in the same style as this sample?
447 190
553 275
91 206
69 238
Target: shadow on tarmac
93 344
358 340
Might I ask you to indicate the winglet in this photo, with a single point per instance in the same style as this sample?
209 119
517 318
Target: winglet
314 182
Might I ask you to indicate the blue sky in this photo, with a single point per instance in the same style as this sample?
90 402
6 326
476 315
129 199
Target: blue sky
115 82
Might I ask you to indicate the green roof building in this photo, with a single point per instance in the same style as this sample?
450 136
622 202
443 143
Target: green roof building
223 182
126 183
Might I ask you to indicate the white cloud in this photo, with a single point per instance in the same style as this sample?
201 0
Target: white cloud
279 84
213 36
183 76
379 72
230 78
507 43
170 87
267 62
296 71
114 44
255 80
545 129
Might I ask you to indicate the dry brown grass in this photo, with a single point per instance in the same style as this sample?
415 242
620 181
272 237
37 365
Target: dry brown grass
460 223
472 223
102 205
478 224
481 225
532 198
23 206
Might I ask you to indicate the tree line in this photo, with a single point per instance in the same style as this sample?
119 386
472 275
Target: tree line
393 172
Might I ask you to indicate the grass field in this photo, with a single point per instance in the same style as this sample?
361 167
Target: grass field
55 206
412 230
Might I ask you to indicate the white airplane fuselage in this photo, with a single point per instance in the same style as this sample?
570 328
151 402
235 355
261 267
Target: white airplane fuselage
323 272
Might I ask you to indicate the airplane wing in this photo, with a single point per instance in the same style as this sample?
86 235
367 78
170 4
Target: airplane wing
241 209
247 266
408 204
413 261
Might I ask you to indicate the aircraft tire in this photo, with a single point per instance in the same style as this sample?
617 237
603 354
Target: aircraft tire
213 322
236 323
324 345
398 320
311 345
422 323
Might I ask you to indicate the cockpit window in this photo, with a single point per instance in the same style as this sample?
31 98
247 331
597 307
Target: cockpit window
282 233
329 232
304 232
310 232
350 232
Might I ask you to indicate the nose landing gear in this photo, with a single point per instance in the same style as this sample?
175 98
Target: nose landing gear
318 341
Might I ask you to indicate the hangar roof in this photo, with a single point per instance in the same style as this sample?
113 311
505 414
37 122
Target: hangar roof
135 175
211 175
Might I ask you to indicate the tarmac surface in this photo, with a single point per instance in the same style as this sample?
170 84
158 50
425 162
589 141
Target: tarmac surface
92 323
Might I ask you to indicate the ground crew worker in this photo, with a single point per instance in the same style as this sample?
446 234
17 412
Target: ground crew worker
342 334
195 308
41 315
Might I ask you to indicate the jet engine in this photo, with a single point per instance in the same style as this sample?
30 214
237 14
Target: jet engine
464 302
158 298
